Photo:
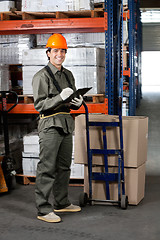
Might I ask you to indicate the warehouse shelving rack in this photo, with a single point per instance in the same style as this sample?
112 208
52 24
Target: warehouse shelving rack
111 24
114 55
71 25
135 48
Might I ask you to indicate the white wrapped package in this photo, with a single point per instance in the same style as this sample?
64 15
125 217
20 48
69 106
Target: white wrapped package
85 57
125 2
54 5
4 77
76 39
43 5
74 57
85 76
11 47
28 73
88 76
34 57
6 6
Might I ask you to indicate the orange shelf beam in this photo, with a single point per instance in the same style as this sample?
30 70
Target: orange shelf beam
126 15
127 72
22 108
94 108
51 25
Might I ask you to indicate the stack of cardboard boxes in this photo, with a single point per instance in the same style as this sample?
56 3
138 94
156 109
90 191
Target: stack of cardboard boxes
135 137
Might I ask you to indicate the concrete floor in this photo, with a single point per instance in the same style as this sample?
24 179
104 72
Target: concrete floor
150 107
18 214
18 218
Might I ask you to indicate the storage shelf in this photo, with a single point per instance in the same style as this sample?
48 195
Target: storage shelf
107 20
22 108
42 26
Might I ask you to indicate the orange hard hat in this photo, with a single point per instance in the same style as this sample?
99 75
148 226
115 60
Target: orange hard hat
56 41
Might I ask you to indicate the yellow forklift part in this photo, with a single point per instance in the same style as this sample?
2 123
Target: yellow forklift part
3 185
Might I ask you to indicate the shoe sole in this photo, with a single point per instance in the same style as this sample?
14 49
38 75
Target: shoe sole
67 210
51 221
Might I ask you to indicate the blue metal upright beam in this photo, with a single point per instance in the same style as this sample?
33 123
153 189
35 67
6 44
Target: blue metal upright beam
114 54
109 66
132 80
139 50
120 56
113 50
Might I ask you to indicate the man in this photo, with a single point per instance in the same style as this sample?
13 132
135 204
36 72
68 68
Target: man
52 85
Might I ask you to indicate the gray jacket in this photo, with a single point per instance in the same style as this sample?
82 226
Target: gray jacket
47 98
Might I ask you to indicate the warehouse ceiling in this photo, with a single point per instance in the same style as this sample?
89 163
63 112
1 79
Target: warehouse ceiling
150 10
150 4
150 17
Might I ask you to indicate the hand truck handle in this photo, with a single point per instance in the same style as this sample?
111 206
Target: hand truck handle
4 103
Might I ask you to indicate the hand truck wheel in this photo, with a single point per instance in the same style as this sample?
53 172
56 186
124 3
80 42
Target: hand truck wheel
124 202
10 181
14 183
83 199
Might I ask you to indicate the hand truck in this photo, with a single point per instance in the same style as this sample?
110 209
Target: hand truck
106 176
7 177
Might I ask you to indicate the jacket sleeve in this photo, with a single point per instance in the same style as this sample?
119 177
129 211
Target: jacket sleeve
74 89
42 101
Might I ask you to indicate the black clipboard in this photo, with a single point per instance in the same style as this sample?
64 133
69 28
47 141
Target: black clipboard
80 91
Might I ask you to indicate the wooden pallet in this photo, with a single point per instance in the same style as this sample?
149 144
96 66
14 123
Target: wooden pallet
99 6
25 179
25 99
93 98
30 180
19 15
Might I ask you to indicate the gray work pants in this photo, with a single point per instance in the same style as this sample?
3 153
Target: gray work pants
53 170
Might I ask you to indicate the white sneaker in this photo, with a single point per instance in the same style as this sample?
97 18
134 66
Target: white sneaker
50 217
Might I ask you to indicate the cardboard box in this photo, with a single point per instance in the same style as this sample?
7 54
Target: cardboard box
135 138
134 184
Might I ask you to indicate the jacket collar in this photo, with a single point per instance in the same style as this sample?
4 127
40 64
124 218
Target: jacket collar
54 69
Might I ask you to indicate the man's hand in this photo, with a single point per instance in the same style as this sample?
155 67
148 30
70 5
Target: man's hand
66 92
77 101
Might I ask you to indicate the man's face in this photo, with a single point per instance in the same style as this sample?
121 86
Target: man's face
57 57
